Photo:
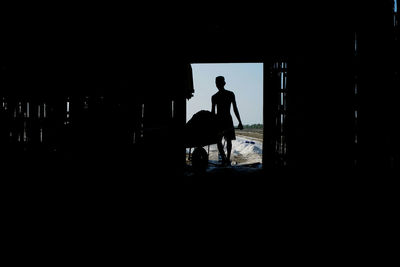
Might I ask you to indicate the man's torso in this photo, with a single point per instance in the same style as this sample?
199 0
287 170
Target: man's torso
223 100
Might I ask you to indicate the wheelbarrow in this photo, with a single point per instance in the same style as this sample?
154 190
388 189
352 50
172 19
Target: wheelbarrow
202 130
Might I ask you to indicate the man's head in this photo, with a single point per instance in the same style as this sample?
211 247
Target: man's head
220 82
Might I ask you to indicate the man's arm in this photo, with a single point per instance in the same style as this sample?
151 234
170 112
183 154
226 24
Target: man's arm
236 111
212 105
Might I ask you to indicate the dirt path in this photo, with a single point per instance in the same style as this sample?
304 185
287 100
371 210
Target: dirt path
256 134
250 137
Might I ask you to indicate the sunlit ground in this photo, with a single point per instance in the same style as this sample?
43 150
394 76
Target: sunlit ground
246 149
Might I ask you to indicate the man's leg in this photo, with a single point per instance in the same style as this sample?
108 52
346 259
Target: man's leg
221 150
228 149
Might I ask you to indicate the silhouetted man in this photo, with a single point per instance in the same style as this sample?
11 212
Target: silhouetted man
223 100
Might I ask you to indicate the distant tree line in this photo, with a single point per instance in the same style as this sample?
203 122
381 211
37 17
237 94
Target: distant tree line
253 126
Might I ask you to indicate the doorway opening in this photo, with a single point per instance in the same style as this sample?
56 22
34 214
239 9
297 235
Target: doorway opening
246 82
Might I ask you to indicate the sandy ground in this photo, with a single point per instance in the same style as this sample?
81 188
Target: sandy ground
246 149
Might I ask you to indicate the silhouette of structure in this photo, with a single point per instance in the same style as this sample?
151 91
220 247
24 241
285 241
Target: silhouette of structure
112 96
93 107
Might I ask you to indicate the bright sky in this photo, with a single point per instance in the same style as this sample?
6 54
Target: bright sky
243 79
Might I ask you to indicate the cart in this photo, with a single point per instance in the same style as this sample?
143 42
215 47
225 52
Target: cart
201 130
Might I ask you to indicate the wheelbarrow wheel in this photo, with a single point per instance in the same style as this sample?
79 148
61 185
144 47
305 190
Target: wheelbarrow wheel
199 159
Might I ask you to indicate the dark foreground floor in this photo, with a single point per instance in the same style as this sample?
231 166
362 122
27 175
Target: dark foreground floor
239 215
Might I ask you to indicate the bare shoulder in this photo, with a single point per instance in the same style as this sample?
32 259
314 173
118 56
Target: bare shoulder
230 94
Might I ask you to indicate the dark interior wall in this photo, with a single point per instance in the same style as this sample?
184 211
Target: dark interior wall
133 61
321 102
377 92
137 56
